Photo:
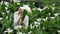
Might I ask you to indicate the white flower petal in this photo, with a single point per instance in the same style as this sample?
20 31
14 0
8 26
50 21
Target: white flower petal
58 31
53 4
53 8
5 31
56 14
2 13
27 8
39 9
6 8
39 19
29 32
8 30
35 22
52 17
20 33
18 3
45 7
44 19
22 8
1 2
1 18
7 11
34 9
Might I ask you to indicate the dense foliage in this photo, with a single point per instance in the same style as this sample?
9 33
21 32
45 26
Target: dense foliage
42 21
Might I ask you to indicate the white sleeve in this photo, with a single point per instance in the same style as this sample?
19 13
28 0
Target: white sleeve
16 18
26 21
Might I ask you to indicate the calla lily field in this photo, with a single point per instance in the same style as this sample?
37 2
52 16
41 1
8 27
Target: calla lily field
35 20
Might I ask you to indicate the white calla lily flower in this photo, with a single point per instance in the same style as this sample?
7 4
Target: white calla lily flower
1 2
58 31
29 32
35 22
56 14
45 7
6 3
39 19
53 8
33 8
52 17
6 8
1 18
8 30
27 8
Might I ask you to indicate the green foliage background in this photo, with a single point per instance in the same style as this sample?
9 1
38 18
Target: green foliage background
51 26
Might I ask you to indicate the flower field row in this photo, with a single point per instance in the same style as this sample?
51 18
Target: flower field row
41 21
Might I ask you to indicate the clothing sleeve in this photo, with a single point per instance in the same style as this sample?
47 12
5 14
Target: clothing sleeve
16 18
26 21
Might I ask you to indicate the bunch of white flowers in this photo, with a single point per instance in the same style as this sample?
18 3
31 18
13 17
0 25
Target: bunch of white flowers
39 9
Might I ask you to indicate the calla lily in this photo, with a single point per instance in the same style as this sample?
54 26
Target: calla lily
1 18
27 8
8 30
6 3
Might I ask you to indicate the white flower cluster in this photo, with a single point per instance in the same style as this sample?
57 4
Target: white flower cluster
6 3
